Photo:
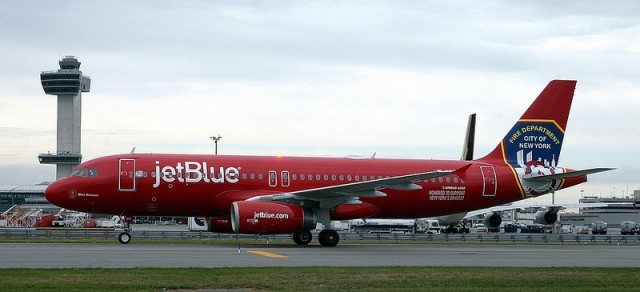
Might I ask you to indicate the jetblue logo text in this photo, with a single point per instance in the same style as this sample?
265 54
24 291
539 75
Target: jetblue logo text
195 172
268 215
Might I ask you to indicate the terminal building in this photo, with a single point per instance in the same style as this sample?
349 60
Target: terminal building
24 195
625 208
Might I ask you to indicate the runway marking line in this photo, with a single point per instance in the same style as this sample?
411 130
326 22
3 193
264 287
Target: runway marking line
268 254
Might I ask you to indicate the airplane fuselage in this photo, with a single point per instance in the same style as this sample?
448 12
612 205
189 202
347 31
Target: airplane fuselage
206 185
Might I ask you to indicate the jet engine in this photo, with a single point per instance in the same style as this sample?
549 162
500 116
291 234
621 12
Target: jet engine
453 223
255 217
451 220
492 220
546 217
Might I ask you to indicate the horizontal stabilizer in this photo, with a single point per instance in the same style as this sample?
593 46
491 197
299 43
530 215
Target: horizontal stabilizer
570 174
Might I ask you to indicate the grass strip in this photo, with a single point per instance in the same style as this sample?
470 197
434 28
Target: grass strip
324 278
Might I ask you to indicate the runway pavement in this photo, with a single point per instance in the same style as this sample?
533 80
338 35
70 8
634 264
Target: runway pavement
72 255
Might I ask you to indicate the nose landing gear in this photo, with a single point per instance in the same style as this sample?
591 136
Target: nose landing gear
125 237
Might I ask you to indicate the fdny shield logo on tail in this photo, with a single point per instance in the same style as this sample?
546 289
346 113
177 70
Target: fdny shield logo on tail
532 148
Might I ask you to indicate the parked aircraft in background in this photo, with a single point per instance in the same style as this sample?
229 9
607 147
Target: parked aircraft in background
271 195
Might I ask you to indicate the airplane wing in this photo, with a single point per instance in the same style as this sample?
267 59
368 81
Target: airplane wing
567 174
330 196
551 207
370 188
493 210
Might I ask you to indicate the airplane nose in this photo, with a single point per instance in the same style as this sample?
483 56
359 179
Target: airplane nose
58 193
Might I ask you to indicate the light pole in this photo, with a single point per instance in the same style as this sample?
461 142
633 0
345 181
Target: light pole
215 140
12 193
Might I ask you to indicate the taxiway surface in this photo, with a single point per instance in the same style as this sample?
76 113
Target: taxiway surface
71 255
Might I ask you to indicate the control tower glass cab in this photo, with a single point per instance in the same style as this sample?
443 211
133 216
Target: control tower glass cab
67 83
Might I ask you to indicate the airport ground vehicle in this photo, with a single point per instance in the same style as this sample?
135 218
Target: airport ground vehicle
599 227
457 228
629 228
582 229
532 229
510 228
69 218
427 226
114 222
566 228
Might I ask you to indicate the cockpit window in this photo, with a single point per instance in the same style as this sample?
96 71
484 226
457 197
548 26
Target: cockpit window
84 172
79 172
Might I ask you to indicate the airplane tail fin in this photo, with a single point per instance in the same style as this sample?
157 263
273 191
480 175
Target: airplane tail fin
469 139
536 138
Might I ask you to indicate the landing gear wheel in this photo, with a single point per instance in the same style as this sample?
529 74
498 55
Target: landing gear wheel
328 238
124 237
302 238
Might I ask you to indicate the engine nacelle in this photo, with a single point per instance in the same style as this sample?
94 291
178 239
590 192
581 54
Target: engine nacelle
220 224
255 217
492 220
451 220
546 217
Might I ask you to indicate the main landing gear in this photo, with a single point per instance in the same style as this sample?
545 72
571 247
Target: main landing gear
125 237
327 237
303 237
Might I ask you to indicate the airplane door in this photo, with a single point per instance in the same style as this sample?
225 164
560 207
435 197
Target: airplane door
489 181
285 178
126 177
273 178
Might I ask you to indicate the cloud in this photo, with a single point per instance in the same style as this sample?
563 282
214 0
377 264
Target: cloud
320 78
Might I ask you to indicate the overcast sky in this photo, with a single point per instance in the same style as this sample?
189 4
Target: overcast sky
322 78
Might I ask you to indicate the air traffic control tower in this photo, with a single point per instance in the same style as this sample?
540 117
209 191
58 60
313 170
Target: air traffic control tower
68 84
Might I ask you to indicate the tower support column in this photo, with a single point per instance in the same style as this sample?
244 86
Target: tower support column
67 83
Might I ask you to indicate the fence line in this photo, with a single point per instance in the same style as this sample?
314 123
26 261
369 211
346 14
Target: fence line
10 233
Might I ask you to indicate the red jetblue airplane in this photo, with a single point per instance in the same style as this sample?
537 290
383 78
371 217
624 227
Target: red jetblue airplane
272 195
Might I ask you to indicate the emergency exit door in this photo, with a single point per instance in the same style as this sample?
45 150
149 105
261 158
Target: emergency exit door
489 181
127 175
273 178
284 178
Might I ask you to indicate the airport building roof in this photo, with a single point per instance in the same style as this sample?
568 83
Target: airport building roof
22 194
36 189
